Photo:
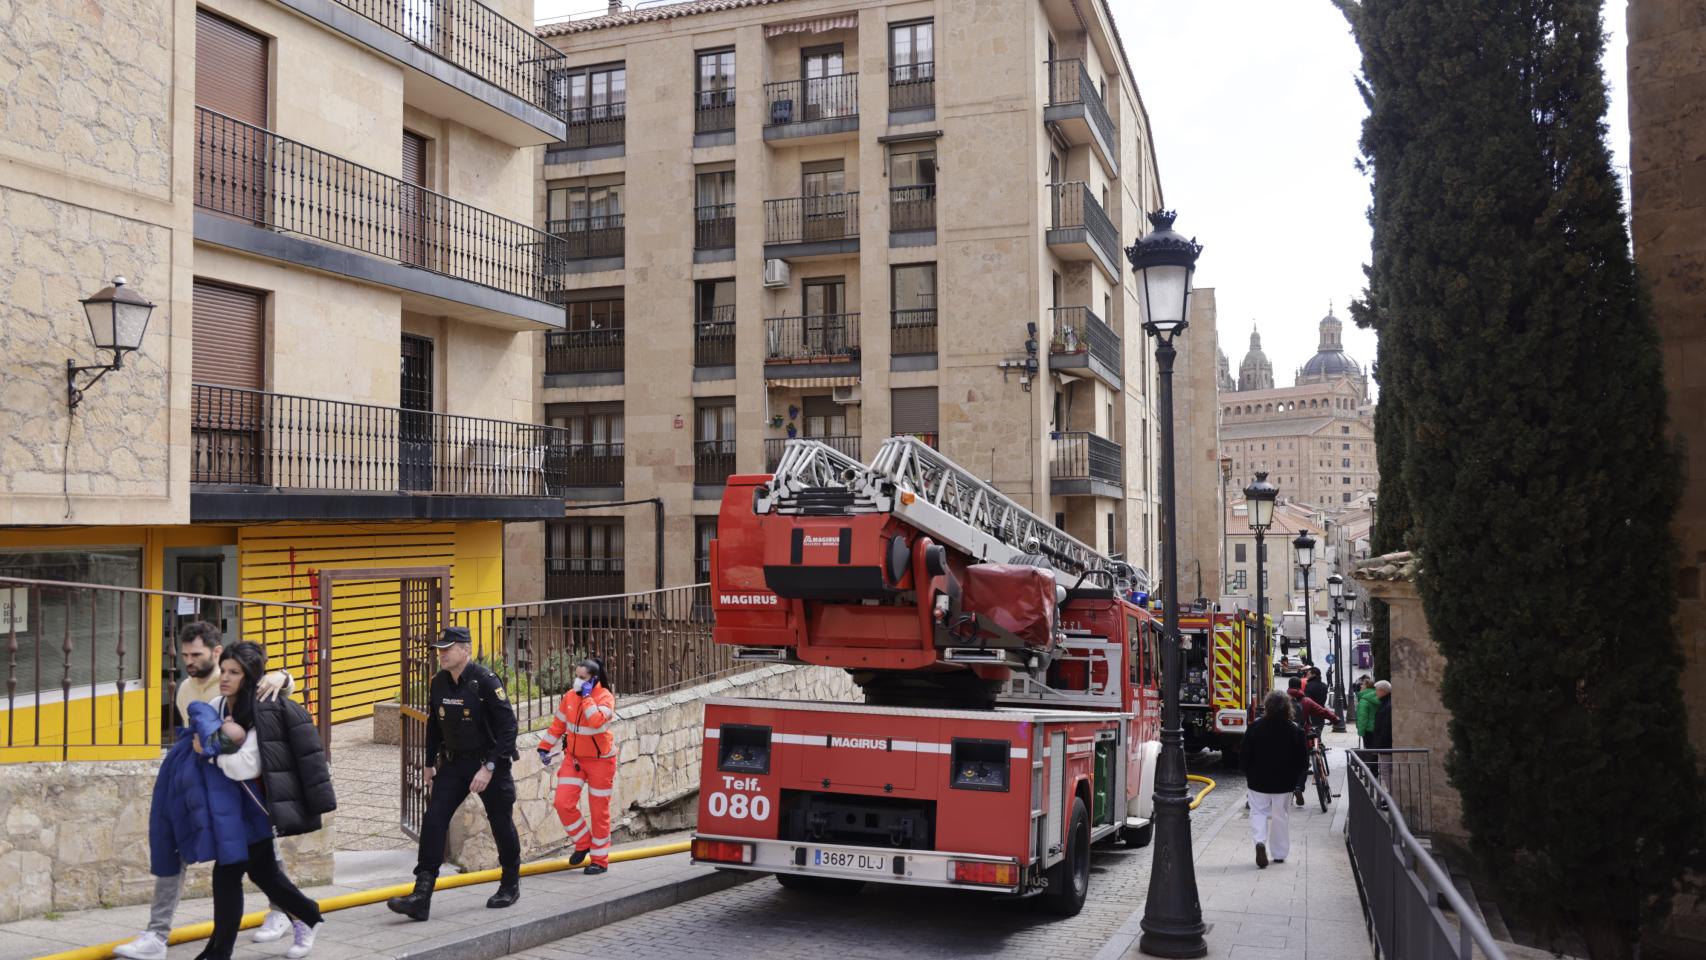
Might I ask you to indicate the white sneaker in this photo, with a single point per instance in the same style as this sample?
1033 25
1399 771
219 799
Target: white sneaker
149 946
274 927
304 938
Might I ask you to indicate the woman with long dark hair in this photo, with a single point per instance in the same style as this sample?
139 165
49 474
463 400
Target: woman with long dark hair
284 776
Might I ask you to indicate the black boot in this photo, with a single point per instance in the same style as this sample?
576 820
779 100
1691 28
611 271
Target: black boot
578 857
417 905
509 889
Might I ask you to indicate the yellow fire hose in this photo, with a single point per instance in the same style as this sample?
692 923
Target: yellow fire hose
201 931
1205 791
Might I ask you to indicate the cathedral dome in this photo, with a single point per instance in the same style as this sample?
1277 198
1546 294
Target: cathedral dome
1330 359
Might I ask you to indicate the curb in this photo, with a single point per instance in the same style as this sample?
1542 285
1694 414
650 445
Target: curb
491 944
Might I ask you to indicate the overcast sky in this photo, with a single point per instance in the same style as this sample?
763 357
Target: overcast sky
1256 119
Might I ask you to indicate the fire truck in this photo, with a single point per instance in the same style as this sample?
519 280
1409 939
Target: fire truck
1223 679
1011 705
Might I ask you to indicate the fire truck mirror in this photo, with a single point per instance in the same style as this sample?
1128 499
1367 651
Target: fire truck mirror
900 558
980 764
743 749
936 560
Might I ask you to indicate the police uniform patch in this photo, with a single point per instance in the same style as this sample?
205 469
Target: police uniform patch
441 710
500 693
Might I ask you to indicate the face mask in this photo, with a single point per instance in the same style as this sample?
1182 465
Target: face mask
584 687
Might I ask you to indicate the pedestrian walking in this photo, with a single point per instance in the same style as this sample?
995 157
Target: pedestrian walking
1315 688
1367 702
582 724
469 747
1380 735
1310 716
272 750
1273 750
200 645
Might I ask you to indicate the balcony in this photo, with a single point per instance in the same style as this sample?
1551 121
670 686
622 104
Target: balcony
1085 465
912 332
714 342
912 92
592 133
713 227
912 215
1075 108
587 244
713 462
272 456
811 347
589 471
713 112
573 352
570 577
821 108
1081 229
773 448
461 60
1084 346
266 195
803 227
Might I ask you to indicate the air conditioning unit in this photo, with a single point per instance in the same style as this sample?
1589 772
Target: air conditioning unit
775 273
845 395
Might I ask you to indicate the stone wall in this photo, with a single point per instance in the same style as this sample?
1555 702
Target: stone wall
658 745
75 836
1196 445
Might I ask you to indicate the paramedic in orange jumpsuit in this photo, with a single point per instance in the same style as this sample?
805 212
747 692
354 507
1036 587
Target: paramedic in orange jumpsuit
582 725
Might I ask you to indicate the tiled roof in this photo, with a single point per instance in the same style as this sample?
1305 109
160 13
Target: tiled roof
668 11
1393 566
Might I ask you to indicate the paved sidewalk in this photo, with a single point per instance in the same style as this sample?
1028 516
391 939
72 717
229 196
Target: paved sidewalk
1303 909
552 906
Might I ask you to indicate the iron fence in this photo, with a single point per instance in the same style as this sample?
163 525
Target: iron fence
714 226
912 332
833 216
476 38
253 174
714 338
829 338
1075 207
713 461
912 86
773 448
714 111
1081 455
584 351
587 238
249 438
603 125
77 662
1069 83
1077 330
912 208
818 98
1402 885
1407 777
587 464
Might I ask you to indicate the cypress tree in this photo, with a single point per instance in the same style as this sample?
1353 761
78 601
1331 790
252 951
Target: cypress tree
1526 451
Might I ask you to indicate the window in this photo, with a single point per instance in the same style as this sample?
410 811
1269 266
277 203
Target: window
94 622
1345 462
912 186
583 557
912 291
1345 480
714 210
714 323
704 531
913 411
1238 553
595 315
1240 580
1112 547
714 440
1264 579
715 103
1344 429
1345 497
1344 446
592 93
1264 552
593 446
912 66
591 339
587 216
822 417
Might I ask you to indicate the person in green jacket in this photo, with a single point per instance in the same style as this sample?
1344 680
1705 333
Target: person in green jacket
1367 703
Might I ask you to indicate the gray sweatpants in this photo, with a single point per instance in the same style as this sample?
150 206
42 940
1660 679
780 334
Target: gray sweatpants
167 892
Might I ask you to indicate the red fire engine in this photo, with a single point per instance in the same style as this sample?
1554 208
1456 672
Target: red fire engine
1012 707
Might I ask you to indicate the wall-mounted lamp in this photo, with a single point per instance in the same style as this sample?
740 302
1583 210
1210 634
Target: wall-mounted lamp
118 317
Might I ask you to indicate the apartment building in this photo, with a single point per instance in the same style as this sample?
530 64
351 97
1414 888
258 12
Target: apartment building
843 220
330 203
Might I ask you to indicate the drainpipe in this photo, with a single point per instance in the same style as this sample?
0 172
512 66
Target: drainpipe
657 529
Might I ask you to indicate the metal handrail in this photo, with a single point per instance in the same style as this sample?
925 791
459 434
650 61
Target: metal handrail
1469 926
713 226
814 98
1076 207
1079 330
1069 83
912 208
819 337
829 216
1082 455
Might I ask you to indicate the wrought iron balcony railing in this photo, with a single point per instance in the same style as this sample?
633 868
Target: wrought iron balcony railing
253 439
912 86
1081 455
819 98
912 208
714 226
713 461
714 338
569 577
774 446
1075 207
603 125
830 338
476 38
1077 330
912 332
714 111
587 464
587 238
583 351
1069 83
253 174
833 216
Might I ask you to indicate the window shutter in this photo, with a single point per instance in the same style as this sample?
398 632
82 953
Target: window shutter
914 410
230 69
228 331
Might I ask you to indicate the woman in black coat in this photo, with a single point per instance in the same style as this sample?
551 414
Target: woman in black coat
278 760
1273 751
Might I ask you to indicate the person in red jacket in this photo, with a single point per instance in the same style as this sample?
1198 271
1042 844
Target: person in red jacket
1311 716
582 725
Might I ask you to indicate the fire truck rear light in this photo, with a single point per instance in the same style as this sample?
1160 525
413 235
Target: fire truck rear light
988 874
907 497
722 851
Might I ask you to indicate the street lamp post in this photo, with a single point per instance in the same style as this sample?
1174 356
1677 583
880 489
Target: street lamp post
1304 545
1172 915
1259 507
1336 591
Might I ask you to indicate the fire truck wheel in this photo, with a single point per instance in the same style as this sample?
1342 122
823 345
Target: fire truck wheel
1135 837
800 883
1069 880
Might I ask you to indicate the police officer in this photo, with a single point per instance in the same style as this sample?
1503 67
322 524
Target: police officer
470 743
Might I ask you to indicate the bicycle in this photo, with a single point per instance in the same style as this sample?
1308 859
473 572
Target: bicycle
1318 768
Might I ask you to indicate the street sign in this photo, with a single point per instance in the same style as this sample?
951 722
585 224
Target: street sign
1332 659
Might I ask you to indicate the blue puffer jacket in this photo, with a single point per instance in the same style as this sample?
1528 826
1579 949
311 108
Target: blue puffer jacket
199 813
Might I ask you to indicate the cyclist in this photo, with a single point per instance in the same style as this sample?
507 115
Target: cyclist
1310 716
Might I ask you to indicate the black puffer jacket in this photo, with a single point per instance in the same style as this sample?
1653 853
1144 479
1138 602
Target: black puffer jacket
294 774
1272 753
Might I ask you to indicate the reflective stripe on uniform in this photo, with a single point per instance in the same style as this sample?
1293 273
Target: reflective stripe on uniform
601 851
607 712
570 782
578 834
549 742
601 841
590 731
600 793
560 717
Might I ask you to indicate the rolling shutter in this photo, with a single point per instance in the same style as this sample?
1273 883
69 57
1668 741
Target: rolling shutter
230 69
229 325
914 410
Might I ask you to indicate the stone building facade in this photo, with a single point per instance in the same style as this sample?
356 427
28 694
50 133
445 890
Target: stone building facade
844 220
1667 119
